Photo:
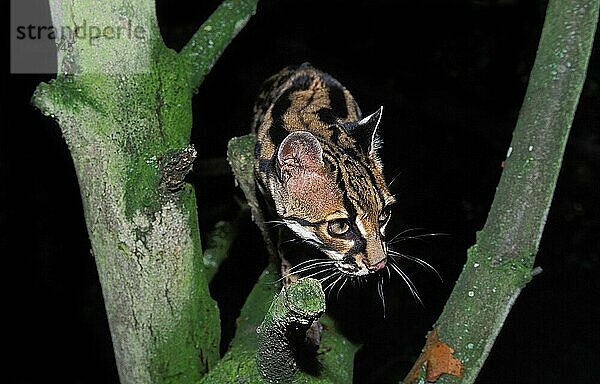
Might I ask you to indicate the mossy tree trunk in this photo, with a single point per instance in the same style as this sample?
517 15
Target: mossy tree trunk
123 102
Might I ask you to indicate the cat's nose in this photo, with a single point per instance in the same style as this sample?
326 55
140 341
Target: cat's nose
377 266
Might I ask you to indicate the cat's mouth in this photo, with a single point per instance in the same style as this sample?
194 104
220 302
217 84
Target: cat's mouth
356 270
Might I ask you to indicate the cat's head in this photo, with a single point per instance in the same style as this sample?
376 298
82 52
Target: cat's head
333 195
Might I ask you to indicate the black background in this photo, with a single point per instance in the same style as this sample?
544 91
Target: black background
451 77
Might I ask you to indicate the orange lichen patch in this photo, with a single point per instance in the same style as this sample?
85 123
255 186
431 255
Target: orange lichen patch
438 358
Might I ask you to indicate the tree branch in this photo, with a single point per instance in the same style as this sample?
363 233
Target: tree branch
209 42
500 263
284 328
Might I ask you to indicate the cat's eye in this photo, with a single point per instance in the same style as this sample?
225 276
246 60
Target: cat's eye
338 227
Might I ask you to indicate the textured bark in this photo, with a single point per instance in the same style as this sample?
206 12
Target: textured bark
123 104
291 314
500 263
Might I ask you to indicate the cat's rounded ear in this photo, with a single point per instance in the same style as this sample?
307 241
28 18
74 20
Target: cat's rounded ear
365 132
299 152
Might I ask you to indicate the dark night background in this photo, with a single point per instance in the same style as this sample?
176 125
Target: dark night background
451 79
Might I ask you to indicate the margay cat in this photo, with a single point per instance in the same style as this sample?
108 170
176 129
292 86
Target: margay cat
317 166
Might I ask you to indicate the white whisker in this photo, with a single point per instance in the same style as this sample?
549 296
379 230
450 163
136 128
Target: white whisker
394 178
387 268
311 262
398 239
421 262
341 286
305 266
403 232
331 285
407 281
307 262
293 240
381 294
311 268
275 223
324 279
318 273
